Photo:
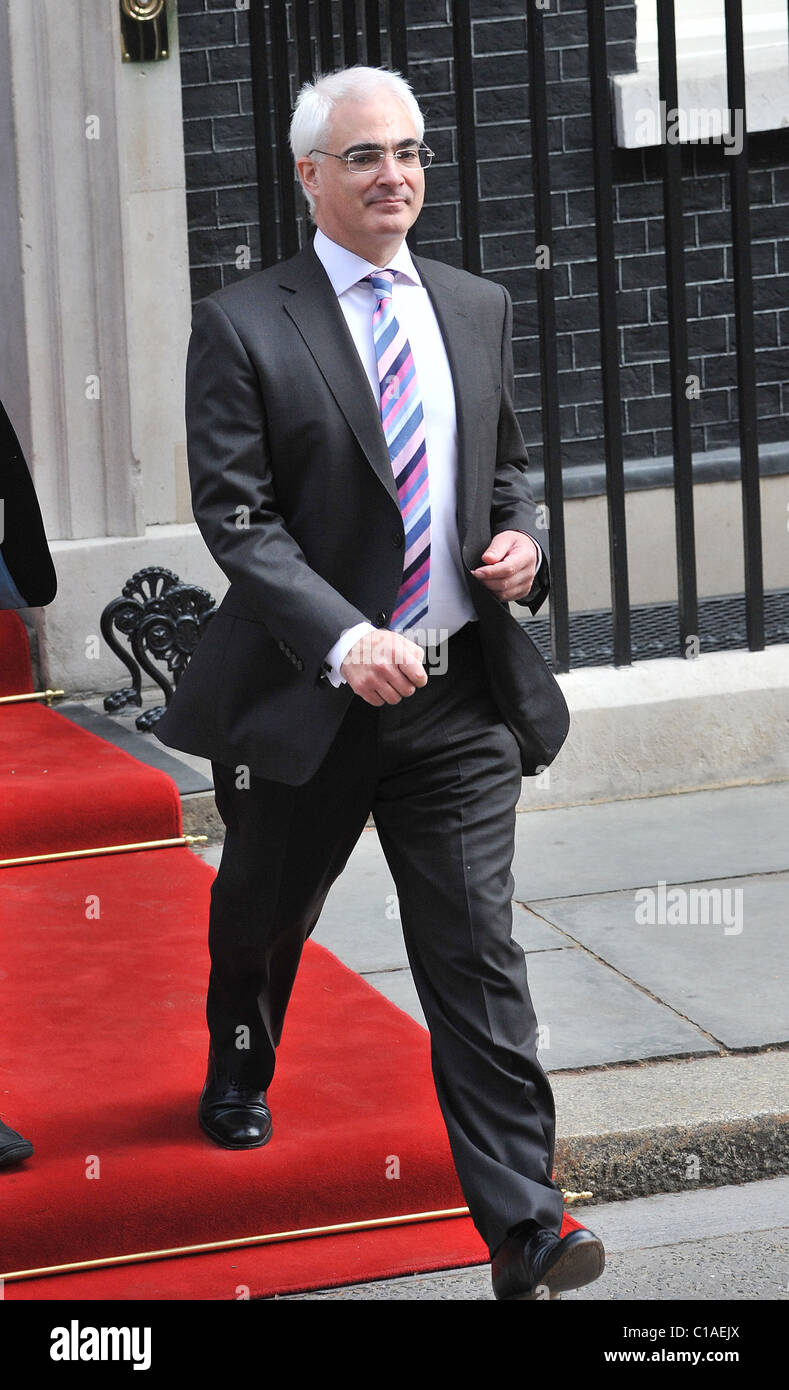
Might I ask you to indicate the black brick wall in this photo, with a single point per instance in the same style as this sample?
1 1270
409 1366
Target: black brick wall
222 210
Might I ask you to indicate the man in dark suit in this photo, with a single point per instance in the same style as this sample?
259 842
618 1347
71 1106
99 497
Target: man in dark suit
358 473
27 580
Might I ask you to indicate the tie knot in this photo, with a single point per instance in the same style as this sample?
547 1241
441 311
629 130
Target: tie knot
382 281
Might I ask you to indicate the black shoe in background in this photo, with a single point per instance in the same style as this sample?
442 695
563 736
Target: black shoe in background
13 1148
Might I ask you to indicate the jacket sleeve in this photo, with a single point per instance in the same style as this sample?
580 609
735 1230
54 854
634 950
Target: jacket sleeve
513 507
233 497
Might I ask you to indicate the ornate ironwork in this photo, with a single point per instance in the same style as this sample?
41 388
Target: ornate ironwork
162 620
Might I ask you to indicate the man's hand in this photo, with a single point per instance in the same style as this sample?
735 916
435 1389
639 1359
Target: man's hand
509 565
384 666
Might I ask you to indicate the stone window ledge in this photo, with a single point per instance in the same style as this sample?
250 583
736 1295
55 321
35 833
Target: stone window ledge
702 113
714 466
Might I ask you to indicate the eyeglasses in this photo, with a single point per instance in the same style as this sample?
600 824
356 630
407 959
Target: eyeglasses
368 161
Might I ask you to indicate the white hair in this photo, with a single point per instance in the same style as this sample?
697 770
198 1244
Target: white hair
316 101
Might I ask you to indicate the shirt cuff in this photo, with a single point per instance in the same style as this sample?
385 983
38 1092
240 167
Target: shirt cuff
335 657
539 547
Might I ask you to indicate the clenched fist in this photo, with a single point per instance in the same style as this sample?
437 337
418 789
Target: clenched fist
384 666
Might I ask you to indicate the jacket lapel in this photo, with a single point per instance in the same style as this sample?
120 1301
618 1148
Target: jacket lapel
313 307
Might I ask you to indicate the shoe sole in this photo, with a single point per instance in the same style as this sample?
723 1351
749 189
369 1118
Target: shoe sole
16 1154
578 1265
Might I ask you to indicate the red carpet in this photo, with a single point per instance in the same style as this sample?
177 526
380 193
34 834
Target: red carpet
103 1018
16 677
62 788
104 972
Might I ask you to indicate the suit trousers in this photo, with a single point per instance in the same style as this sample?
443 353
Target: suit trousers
441 774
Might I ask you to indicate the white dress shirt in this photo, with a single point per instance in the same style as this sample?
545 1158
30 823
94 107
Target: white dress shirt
449 602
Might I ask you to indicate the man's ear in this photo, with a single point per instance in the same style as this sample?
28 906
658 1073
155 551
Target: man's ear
307 170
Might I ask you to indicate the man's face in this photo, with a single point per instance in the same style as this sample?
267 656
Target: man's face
366 212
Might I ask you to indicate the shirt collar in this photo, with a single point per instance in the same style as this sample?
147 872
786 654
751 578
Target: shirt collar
344 268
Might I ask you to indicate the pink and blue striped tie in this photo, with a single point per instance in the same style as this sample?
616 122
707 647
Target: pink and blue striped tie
404 430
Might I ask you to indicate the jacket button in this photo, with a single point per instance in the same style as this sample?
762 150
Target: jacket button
380 619
397 539
300 664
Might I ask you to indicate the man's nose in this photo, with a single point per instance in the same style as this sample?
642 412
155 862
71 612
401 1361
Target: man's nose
391 167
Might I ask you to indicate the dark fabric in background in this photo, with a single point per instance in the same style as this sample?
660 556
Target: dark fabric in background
24 551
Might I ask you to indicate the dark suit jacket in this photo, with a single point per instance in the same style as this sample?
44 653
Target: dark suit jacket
27 575
292 489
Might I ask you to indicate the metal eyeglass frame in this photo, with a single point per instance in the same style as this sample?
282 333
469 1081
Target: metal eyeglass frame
408 149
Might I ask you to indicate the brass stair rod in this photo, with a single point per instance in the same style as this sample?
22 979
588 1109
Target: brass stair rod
104 849
48 695
342 1228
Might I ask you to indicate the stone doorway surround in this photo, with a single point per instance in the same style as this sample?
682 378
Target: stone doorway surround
95 311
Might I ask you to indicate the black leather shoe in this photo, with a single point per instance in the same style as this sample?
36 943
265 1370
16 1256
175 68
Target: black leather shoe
13 1148
539 1264
232 1113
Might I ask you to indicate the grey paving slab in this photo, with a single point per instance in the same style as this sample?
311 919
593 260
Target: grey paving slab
623 844
735 1269
588 1015
398 987
360 921
723 965
533 933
